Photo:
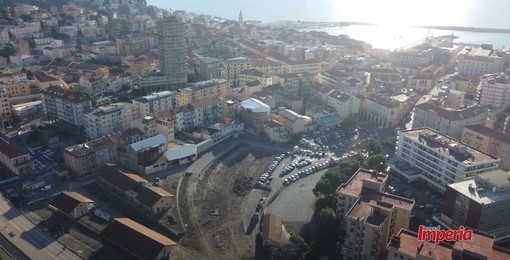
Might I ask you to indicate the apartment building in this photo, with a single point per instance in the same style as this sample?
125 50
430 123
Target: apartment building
58 52
171 45
411 57
254 113
233 68
14 157
494 90
353 84
449 121
43 80
477 61
5 109
151 126
197 114
108 119
383 111
140 66
156 103
82 159
93 85
437 159
405 245
482 203
22 47
209 68
276 132
302 66
25 30
370 216
74 67
65 105
214 88
421 82
11 78
319 92
18 89
490 141
251 75
293 122
297 83
266 66
344 104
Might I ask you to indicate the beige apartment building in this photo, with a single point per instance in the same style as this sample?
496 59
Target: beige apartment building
80 159
233 68
370 216
14 157
156 103
448 121
490 141
209 89
344 104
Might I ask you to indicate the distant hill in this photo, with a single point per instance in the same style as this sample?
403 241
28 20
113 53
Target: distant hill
46 4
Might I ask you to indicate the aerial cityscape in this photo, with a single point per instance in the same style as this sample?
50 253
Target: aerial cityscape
134 129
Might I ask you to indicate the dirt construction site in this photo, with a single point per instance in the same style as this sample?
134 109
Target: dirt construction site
212 201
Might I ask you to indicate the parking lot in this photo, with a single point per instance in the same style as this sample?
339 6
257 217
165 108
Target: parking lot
287 182
44 159
327 139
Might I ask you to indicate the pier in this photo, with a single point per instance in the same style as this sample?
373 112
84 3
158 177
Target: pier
311 25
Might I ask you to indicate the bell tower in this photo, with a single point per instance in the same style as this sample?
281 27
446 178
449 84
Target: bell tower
240 20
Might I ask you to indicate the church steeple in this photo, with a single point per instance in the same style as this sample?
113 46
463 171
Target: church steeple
240 20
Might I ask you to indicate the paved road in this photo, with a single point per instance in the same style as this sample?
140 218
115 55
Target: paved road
9 251
32 240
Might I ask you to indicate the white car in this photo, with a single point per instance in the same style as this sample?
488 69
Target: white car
46 187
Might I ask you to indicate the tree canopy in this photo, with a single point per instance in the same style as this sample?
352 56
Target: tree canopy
374 147
390 143
327 221
329 182
350 122
377 162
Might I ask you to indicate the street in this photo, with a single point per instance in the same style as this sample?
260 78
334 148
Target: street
32 240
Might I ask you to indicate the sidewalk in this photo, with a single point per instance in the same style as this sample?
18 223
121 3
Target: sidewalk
32 240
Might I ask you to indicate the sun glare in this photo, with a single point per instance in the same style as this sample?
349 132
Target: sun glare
403 13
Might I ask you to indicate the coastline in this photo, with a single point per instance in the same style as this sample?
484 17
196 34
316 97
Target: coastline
397 37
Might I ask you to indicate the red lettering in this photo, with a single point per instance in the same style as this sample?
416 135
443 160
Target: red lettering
439 236
426 235
467 235
450 235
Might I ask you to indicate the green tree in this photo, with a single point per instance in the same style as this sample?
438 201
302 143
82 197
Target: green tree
326 202
377 162
374 147
390 143
350 122
328 224
329 182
